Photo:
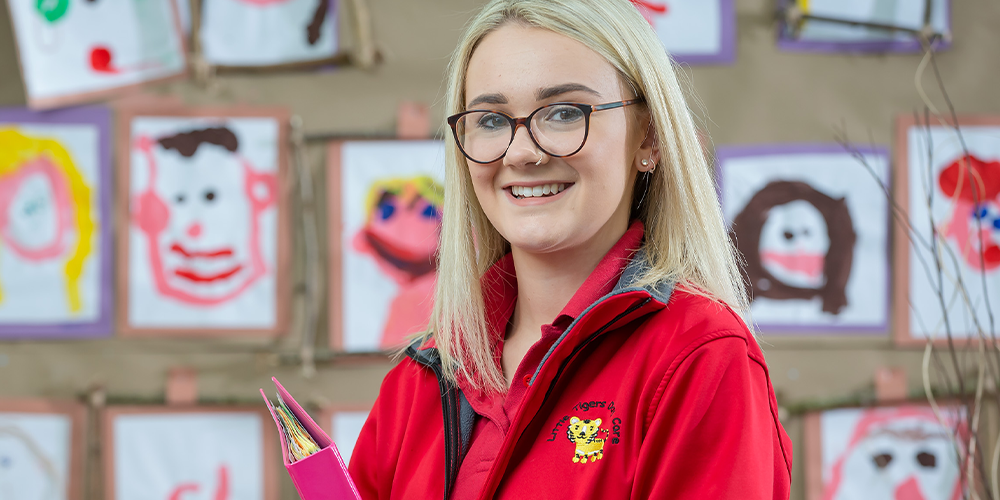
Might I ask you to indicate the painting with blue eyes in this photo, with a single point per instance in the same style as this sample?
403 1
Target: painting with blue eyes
387 197
962 179
41 450
812 225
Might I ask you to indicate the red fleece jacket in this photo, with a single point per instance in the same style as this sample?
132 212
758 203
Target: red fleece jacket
631 393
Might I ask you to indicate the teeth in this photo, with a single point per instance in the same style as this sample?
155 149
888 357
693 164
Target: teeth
533 192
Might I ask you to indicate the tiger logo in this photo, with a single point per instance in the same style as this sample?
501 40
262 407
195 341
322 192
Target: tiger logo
584 434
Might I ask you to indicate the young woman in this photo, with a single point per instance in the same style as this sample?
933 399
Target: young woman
586 340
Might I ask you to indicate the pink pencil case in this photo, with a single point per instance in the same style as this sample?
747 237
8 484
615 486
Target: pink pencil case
322 475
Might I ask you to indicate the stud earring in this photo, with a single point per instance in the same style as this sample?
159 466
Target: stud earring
645 162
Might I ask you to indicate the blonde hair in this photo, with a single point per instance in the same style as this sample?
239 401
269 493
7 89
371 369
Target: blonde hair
16 150
686 240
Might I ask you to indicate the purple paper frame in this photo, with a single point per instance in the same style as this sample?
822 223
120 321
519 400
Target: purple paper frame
99 117
727 47
724 153
906 46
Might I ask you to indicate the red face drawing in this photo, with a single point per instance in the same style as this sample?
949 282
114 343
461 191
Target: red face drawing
973 185
401 234
200 216
36 211
897 454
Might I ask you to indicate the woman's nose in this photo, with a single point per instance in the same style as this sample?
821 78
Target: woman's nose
522 150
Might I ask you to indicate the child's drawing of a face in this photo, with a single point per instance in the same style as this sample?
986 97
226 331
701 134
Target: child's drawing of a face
35 211
793 244
24 473
973 185
201 216
402 229
909 458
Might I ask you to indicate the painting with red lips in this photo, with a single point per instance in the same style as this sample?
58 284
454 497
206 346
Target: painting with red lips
693 31
197 453
962 179
73 51
387 197
898 452
812 225
205 251
268 32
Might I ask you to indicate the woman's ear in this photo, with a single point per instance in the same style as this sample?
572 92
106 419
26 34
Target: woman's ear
648 154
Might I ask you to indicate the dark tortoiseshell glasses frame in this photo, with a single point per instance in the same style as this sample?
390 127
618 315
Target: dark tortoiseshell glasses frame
513 122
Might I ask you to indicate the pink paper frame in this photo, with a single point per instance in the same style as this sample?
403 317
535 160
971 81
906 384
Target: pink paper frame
901 332
812 441
335 251
126 114
271 452
77 414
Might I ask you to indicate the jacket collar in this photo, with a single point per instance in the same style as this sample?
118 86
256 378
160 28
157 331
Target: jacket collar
500 292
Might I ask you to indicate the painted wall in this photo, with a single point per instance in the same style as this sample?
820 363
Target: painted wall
767 96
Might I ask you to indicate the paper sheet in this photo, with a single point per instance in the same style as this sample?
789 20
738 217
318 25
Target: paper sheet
189 455
203 228
812 223
955 219
35 452
54 211
391 195
69 48
267 32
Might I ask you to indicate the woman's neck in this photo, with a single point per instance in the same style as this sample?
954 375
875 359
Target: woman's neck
547 281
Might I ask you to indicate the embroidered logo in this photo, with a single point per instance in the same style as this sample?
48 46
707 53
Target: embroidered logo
588 437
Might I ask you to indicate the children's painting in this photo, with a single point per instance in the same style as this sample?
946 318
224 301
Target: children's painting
891 453
191 454
812 223
268 32
949 186
865 25
41 450
55 223
72 51
205 251
387 198
344 424
694 31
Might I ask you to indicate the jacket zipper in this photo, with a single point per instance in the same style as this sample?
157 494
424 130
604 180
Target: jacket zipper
562 366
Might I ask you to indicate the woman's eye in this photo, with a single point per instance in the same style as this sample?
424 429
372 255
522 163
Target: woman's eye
564 114
491 121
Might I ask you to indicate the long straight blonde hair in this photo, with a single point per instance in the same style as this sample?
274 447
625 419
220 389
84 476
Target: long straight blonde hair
686 239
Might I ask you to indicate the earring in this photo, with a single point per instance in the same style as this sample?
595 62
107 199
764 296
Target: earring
540 158
645 162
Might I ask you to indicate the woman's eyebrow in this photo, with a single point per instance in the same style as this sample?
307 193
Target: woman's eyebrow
548 92
488 99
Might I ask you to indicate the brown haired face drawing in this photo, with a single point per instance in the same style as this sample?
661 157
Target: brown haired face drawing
798 244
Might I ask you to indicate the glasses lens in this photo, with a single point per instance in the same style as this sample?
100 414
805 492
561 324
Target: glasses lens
484 136
559 129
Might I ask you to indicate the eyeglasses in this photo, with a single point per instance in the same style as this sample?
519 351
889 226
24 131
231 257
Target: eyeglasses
559 129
